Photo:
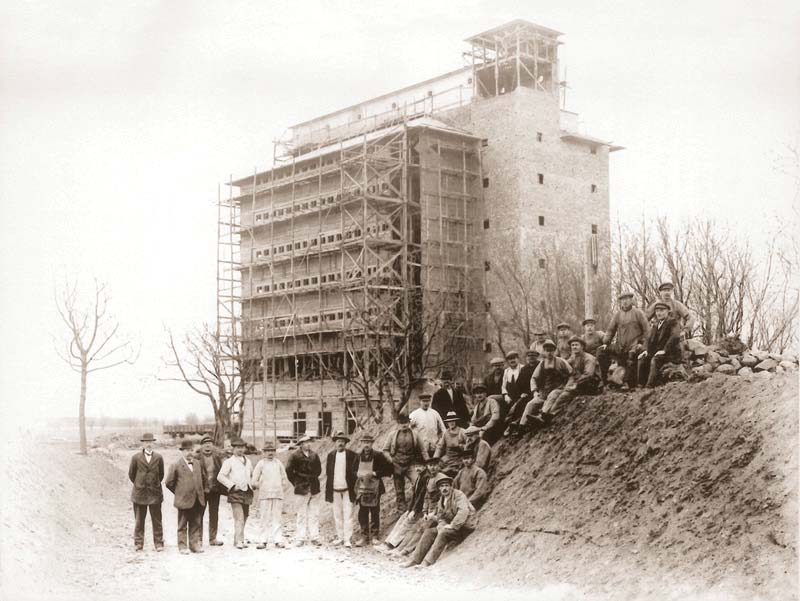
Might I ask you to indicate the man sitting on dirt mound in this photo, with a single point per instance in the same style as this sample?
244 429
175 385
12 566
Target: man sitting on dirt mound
472 481
630 327
455 519
451 444
663 346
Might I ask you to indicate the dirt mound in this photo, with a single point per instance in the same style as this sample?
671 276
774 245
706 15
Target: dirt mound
691 486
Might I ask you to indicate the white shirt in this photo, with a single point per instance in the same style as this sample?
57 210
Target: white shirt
189 465
148 456
339 473
428 424
235 471
509 374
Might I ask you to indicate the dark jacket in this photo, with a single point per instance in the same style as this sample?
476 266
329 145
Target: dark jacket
420 452
494 384
350 468
187 485
146 478
419 492
212 485
667 338
381 465
304 472
443 403
524 380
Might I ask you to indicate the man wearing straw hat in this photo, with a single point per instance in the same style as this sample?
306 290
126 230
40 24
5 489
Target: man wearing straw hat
269 478
340 487
146 472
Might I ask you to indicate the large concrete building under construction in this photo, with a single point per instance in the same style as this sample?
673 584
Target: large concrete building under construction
373 241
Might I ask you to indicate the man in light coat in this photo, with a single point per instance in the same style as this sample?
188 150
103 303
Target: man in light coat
187 481
427 423
146 472
269 479
304 469
404 447
235 475
340 487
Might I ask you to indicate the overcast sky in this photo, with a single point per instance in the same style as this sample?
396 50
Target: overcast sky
120 118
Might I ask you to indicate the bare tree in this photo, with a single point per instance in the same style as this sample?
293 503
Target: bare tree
93 340
202 361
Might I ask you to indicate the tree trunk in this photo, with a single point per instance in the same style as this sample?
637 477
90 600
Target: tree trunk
82 410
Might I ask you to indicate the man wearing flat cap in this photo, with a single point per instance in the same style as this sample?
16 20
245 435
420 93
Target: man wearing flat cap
663 345
146 472
212 461
427 423
563 334
539 336
524 386
472 480
269 479
480 449
404 447
235 475
341 467
494 379
448 398
408 520
304 469
187 482
630 327
583 380
487 414
511 388
373 467
678 311
549 379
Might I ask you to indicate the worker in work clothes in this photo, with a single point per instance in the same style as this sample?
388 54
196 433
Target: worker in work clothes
451 444
212 461
549 379
663 346
449 398
511 387
539 336
146 472
427 518
427 423
494 379
583 379
187 482
472 481
677 309
269 479
340 487
563 334
235 475
455 519
480 449
487 414
407 521
407 452
373 466
630 327
523 387
303 470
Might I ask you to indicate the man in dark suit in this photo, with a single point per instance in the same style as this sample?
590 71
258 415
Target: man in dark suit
663 345
340 487
146 471
187 481
303 470
211 459
448 398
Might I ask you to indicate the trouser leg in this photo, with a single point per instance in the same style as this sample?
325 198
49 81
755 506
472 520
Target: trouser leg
495 433
364 514
443 539
424 545
338 512
551 400
656 363
266 520
196 526
301 523
399 479
604 360
313 517
183 528
158 526
643 369
347 517
565 396
212 501
276 532
237 509
139 516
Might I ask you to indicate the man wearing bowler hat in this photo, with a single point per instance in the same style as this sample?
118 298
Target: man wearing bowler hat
235 475
630 327
146 472
448 398
212 460
304 469
404 447
340 487
187 481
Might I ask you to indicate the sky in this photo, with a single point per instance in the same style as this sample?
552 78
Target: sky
119 120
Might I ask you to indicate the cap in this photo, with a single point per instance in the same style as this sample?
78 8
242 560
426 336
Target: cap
432 459
479 387
660 305
403 419
341 436
539 332
268 446
446 375
588 320
548 343
148 437
563 324
424 395
512 355
451 417
665 286
472 430
532 353
368 438
467 453
441 478
206 439
238 442
497 361
625 294
577 339
187 444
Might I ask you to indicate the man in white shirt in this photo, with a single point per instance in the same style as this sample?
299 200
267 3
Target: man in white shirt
510 386
235 475
340 487
428 423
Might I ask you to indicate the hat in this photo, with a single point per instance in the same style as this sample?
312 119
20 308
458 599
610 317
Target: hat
467 453
403 419
187 444
206 439
497 361
268 446
538 332
472 430
588 320
451 417
665 286
548 343
304 438
479 387
446 375
512 355
341 436
563 324
367 438
531 353
625 294
662 306
432 459
577 339
441 478
424 395
238 442
148 438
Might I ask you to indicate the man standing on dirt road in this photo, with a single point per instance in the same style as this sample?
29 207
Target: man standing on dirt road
187 481
146 471
212 461
235 475
340 487
304 469
373 467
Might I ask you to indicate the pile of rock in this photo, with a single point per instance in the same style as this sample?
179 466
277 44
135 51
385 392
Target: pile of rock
708 359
